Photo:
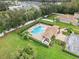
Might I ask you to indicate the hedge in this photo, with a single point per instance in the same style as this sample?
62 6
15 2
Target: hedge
35 40
70 53
46 22
26 27
63 44
59 42
64 50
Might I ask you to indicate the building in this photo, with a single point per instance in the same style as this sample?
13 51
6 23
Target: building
72 44
68 19
76 15
15 7
50 31
24 5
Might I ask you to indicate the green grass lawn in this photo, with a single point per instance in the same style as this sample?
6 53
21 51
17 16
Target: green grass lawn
11 43
51 16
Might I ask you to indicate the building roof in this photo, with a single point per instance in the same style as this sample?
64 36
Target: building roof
50 31
73 43
68 18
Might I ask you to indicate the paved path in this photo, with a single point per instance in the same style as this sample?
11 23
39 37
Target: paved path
48 20
29 22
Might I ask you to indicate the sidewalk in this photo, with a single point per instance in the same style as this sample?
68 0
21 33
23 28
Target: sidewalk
48 20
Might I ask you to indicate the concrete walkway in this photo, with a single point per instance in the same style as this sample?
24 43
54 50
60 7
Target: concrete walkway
48 20
29 22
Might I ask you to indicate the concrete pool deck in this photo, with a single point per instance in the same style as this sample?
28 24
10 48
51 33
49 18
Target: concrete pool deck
38 37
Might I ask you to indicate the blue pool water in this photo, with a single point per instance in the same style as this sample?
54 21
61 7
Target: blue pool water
38 30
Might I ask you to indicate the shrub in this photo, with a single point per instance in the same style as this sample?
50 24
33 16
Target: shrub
60 43
46 22
26 53
66 33
26 27
52 41
70 53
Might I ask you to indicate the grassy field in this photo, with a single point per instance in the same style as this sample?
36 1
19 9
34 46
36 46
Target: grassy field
11 43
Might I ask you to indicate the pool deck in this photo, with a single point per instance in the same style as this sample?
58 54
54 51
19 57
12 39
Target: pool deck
38 37
48 33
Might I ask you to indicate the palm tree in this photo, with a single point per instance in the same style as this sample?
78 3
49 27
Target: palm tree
25 35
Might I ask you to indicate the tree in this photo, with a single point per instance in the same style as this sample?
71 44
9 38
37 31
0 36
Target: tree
69 30
14 18
1 26
3 6
25 35
26 53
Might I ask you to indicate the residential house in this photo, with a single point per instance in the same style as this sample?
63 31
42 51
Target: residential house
49 32
72 44
68 19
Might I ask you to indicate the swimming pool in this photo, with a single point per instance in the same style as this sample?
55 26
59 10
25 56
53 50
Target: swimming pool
38 30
